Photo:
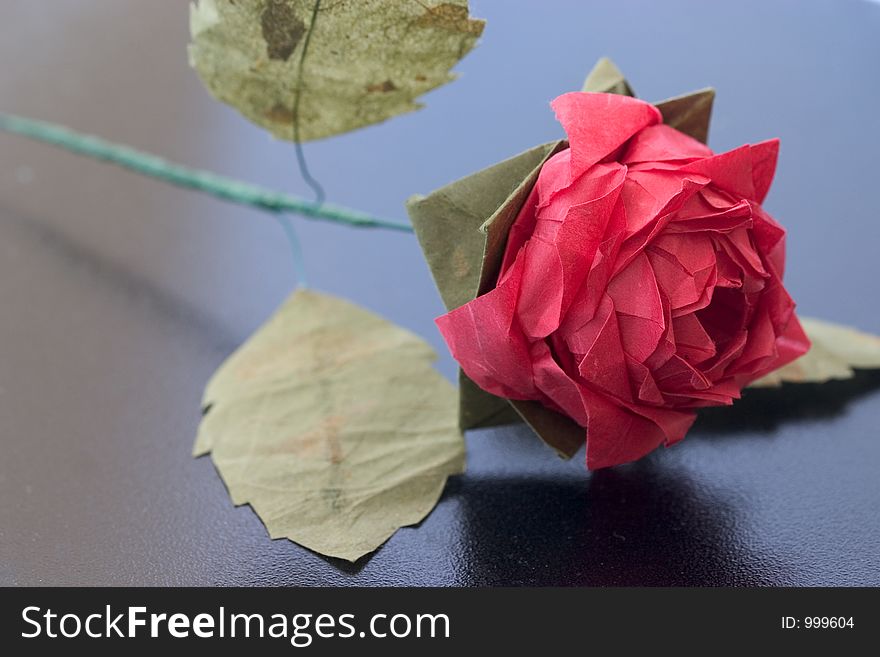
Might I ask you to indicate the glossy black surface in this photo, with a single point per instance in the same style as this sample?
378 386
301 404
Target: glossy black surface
120 296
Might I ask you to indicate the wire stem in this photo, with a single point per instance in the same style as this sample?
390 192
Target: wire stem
311 181
222 187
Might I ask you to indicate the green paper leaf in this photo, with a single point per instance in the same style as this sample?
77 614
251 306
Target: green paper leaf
837 350
366 60
448 222
607 78
559 431
497 227
478 409
454 226
689 113
462 229
333 425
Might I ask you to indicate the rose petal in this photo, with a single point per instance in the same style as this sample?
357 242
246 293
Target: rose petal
732 171
770 239
760 349
728 351
555 176
603 362
520 232
718 198
692 341
650 230
722 393
488 344
739 245
643 382
558 259
557 386
598 124
678 375
648 195
699 215
597 181
674 280
764 157
616 435
791 345
587 299
639 307
661 143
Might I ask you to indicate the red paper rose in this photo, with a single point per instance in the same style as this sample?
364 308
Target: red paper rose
641 280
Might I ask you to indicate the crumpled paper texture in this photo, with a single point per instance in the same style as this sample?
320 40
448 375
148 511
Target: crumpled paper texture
474 330
333 425
453 227
641 280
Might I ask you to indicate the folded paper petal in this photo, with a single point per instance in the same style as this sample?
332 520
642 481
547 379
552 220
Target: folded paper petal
660 143
764 156
618 435
598 124
559 257
599 349
731 171
485 339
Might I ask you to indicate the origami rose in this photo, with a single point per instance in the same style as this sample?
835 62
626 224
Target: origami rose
641 280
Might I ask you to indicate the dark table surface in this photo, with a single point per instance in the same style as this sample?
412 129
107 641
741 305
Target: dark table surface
120 296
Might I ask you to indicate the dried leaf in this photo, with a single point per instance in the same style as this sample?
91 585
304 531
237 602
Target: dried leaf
333 425
366 60
836 350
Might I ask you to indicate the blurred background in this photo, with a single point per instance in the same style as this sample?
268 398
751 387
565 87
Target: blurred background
121 295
